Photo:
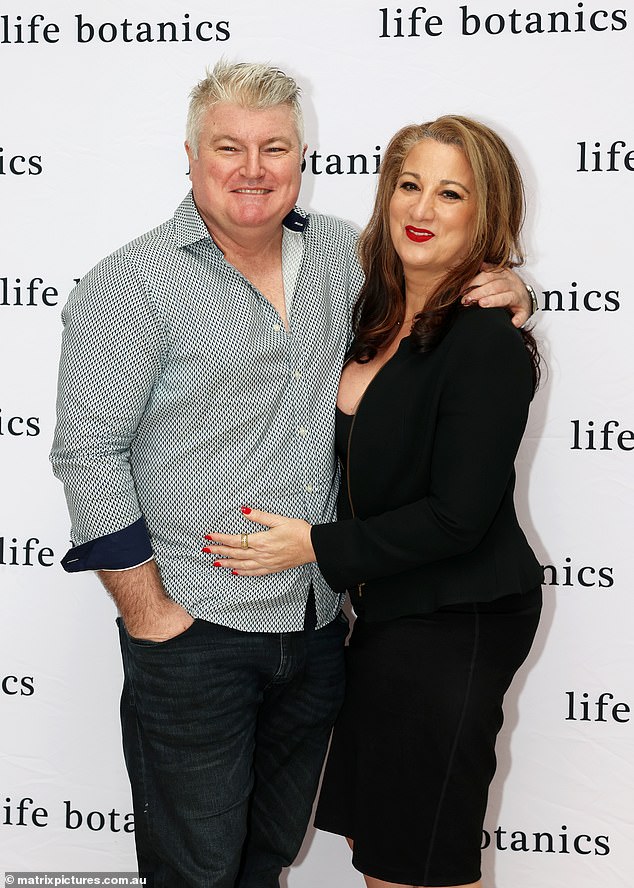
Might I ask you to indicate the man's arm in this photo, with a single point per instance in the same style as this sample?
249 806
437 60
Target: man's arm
501 289
109 364
110 361
146 610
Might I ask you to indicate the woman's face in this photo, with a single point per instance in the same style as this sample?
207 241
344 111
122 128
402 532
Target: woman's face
432 211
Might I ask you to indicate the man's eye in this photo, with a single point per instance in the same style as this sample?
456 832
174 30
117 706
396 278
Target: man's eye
227 148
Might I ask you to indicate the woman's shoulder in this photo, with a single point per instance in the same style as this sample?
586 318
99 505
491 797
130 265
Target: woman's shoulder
484 325
487 336
495 321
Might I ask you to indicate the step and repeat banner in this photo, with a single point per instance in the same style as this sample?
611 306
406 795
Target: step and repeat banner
93 100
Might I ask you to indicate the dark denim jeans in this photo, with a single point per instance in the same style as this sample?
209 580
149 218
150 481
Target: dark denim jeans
224 735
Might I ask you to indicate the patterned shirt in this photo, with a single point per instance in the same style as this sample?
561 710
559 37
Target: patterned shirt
182 396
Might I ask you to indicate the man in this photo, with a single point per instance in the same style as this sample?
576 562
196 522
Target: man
199 371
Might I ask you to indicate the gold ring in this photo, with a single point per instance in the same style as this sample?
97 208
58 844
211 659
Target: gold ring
244 540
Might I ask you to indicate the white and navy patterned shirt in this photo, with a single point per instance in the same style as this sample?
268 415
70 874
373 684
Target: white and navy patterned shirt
182 396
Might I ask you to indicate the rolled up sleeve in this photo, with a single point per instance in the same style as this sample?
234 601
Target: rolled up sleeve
120 550
110 362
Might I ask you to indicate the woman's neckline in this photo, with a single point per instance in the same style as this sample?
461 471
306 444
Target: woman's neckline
378 372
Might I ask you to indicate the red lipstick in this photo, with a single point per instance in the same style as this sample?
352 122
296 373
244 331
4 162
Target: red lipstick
418 235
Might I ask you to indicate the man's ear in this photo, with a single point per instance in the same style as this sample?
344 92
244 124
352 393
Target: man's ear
188 151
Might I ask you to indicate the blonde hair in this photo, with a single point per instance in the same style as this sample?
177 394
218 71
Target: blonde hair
251 85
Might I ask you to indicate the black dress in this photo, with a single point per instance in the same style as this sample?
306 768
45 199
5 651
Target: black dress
413 749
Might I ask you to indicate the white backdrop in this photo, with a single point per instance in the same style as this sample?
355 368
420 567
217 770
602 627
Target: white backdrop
92 118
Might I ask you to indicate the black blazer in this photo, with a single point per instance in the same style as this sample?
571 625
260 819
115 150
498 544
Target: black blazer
430 477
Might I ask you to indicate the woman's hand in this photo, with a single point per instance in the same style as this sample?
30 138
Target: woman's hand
500 288
285 544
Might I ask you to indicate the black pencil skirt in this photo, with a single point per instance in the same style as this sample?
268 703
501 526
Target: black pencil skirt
413 749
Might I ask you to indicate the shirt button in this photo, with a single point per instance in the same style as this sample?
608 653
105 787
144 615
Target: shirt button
309 488
297 374
277 328
302 431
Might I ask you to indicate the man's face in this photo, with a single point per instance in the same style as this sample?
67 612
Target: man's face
247 175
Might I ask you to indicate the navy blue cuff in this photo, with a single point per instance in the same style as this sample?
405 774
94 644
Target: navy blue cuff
114 551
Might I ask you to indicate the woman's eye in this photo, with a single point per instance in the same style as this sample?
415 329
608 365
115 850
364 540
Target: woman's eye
409 186
452 195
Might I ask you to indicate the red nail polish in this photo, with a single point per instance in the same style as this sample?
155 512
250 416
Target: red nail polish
207 550
245 510
235 573
207 537
217 563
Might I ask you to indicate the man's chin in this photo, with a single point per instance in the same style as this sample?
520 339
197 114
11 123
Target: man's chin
260 214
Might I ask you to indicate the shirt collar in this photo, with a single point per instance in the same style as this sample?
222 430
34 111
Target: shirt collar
189 227
297 220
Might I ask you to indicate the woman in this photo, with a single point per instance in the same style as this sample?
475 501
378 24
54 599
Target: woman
432 406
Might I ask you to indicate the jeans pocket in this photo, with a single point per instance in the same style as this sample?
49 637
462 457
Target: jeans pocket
148 643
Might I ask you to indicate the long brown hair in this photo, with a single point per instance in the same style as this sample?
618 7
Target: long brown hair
499 216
